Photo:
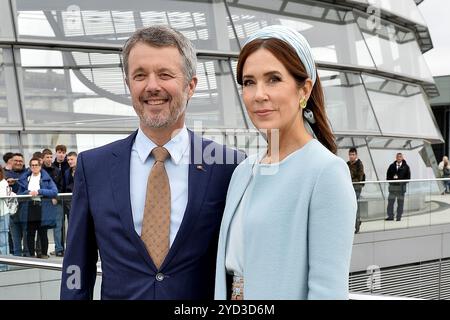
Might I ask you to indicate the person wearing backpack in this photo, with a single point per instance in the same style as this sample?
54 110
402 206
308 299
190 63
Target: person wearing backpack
357 173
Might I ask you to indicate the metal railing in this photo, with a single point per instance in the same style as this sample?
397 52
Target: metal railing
33 263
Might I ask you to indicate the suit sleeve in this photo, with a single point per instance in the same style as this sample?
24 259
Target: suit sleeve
80 259
331 224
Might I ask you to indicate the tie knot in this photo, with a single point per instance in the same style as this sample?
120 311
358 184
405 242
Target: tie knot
160 154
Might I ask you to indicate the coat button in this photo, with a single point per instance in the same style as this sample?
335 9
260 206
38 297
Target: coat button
160 277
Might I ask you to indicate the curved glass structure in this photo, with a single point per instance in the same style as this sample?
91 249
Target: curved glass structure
61 78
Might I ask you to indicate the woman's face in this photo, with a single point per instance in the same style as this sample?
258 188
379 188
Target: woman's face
271 95
35 167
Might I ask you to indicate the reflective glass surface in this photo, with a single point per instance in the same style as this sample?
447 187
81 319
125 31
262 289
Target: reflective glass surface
400 108
422 204
9 102
89 91
332 33
347 104
104 21
215 103
394 49
403 8
384 157
73 141
9 142
344 144
74 89
6 25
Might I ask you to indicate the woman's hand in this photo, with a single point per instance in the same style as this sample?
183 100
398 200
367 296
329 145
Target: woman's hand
33 193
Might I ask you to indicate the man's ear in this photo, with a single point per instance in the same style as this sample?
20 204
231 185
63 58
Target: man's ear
191 86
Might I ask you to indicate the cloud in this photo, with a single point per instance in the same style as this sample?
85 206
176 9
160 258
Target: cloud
435 13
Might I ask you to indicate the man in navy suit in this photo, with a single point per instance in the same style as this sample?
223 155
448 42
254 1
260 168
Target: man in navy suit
110 187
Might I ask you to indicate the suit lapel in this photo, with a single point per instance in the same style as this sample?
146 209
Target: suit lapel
120 180
198 180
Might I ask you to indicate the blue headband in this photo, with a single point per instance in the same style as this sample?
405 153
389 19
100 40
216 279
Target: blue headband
294 39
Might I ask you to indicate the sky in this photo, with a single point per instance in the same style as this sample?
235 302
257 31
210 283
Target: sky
437 16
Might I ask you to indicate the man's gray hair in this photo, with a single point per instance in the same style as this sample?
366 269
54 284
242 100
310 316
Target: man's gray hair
163 36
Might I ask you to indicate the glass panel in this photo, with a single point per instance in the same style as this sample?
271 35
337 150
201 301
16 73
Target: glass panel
27 283
348 106
73 141
6 25
363 155
204 22
215 103
403 8
400 112
9 102
89 91
407 205
9 142
418 164
423 204
332 33
395 49
364 192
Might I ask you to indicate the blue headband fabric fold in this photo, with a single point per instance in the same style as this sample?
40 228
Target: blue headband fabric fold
294 39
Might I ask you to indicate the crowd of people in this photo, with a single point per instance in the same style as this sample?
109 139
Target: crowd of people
24 229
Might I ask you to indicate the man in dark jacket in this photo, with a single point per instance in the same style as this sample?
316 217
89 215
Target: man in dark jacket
398 170
60 159
52 170
357 173
55 173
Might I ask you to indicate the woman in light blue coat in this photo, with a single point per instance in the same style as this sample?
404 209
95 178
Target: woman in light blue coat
287 229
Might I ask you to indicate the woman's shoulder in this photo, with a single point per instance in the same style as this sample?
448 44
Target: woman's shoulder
320 157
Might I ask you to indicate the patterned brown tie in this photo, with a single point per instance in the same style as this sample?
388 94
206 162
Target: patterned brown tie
156 221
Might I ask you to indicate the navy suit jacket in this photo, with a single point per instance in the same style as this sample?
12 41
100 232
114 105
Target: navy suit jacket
101 222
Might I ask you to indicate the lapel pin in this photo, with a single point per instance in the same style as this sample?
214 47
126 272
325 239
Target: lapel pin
200 167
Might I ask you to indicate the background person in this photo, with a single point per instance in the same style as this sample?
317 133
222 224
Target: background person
398 170
356 168
40 211
444 167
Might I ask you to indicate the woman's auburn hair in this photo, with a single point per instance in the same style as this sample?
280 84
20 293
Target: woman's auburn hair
289 58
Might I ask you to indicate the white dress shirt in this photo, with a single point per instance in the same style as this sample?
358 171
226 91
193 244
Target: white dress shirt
177 167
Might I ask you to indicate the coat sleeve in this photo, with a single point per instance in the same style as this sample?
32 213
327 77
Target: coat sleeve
331 222
360 171
390 173
51 191
80 259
